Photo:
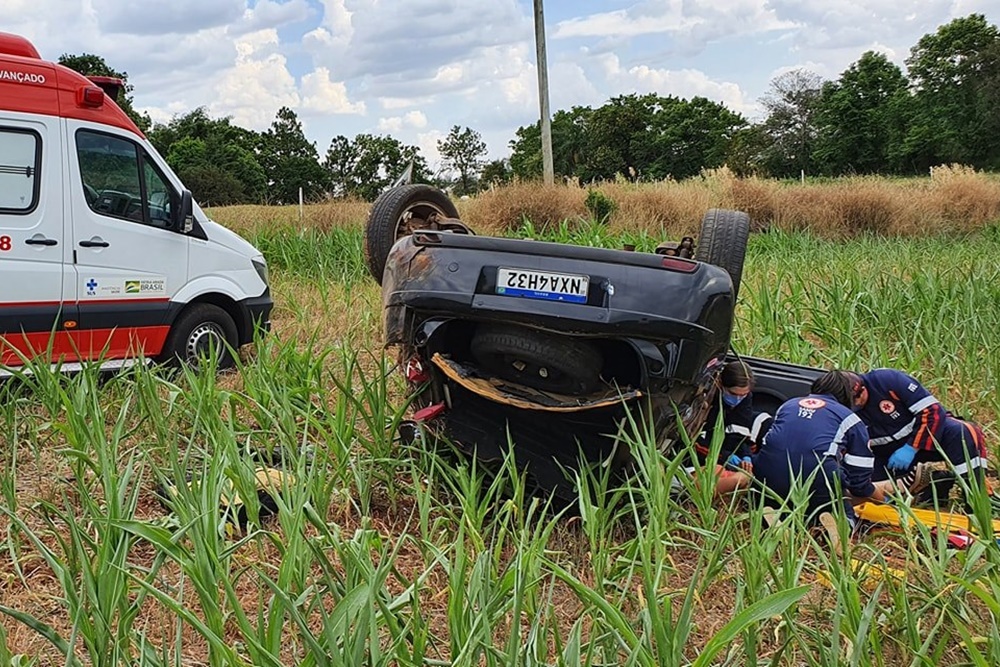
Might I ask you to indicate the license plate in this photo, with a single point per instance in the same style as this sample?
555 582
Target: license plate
542 285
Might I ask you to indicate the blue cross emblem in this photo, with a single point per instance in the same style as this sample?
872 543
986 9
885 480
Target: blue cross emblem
91 286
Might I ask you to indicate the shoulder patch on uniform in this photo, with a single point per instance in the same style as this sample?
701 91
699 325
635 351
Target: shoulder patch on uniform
887 407
912 386
812 403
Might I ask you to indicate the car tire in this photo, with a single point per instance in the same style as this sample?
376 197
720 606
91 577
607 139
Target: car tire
723 242
392 217
538 360
199 328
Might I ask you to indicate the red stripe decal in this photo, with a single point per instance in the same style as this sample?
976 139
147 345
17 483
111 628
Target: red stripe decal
30 304
85 345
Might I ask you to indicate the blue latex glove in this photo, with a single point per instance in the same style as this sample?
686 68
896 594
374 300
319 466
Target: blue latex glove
902 458
747 459
734 460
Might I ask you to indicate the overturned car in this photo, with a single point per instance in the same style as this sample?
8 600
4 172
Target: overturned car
548 346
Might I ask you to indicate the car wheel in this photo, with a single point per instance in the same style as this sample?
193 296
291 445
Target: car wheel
536 359
201 329
397 213
723 242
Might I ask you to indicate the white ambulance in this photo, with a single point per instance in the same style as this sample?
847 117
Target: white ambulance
103 253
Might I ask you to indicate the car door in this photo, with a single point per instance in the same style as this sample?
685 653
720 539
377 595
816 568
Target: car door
129 259
33 315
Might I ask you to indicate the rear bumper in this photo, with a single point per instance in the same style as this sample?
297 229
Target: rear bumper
687 314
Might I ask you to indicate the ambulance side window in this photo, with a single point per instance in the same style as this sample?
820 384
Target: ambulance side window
160 194
120 181
20 161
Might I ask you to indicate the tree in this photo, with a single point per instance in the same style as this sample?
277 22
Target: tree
747 151
951 71
290 161
365 166
988 101
860 117
463 151
218 150
90 65
526 152
791 103
496 172
569 145
637 136
618 136
213 186
688 136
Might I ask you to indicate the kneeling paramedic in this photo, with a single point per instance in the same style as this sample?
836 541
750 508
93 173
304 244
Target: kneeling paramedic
908 425
819 434
733 410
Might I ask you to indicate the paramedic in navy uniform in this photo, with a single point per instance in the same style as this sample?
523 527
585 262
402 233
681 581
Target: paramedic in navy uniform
819 431
907 423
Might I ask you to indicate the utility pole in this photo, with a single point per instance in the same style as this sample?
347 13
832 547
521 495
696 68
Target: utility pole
543 93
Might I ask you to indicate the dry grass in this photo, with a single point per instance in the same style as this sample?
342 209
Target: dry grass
250 219
504 209
955 199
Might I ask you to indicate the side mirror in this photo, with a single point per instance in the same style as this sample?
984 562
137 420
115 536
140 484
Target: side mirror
183 220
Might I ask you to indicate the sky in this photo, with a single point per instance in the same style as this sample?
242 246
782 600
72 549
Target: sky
413 69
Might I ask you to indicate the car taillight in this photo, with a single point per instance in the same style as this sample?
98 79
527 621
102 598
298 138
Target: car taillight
678 264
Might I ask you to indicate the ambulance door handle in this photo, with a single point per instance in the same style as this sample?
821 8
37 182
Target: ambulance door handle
41 241
94 243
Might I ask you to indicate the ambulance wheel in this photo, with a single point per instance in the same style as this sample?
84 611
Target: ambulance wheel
201 329
537 359
397 213
723 242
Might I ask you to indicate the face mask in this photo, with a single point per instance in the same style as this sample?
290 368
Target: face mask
732 400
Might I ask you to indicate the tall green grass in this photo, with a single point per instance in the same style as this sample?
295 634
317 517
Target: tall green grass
380 554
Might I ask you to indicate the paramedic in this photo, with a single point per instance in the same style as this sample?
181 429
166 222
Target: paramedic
907 424
819 434
740 428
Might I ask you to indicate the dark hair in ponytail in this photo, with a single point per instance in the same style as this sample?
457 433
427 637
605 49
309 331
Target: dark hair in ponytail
736 374
839 384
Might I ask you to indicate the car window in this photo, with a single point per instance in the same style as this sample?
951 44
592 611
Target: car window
20 159
118 181
160 195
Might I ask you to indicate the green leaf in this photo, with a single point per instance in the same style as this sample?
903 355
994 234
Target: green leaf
45 630
772 605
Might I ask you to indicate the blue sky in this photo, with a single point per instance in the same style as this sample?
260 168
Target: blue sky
415 68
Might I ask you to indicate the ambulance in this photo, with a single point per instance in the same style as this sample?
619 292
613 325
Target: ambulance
104 256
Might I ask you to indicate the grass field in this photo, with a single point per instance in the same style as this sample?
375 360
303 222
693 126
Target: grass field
378 555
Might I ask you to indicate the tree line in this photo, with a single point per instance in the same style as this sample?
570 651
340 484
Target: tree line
874 119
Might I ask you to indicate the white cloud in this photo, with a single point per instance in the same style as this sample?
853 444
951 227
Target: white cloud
699 20
427 143
390 103
448 75
270 14
323 95
159 18
413 120
622 23
405 44
334 34
684 83
257 85
854 24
